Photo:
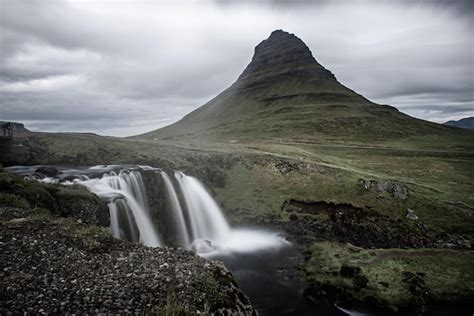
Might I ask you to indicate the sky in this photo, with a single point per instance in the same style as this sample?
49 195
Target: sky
125 67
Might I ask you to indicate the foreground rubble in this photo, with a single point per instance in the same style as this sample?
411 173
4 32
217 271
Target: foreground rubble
53 265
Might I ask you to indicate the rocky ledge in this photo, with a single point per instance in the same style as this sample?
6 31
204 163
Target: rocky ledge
66 201
53 265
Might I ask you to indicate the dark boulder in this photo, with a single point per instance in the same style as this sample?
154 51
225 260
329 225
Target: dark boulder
349 270
47 171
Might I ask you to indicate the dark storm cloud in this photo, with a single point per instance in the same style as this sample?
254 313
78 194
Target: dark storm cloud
122 67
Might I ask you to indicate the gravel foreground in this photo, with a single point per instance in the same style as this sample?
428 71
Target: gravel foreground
60 266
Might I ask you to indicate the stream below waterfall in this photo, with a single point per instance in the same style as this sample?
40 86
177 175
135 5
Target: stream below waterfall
263 261
270 279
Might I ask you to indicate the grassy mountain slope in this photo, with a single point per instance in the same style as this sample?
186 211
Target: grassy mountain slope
285 94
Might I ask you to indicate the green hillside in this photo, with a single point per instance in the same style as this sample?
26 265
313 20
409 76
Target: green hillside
285 94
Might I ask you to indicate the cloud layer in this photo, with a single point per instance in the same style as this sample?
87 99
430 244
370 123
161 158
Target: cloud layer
122 67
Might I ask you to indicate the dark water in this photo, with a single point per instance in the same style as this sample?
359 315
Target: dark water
269 278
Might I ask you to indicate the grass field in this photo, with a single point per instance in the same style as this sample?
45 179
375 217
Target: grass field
440 181
251 180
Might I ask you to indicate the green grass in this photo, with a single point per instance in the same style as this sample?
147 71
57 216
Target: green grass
13 200
437 172
436 184
440 181
447 275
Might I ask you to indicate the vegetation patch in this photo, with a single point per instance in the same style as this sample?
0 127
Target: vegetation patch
391 278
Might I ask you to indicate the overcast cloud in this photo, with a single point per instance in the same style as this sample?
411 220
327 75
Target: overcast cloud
123 67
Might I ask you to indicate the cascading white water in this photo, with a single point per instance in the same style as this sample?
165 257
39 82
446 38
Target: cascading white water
199 223
114 223
184 239
209 228
126 192
207 221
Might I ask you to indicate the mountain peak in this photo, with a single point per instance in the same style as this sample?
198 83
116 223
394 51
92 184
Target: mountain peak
285 94
281 36
283 53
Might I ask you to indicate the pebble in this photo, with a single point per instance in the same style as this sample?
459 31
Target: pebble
49 270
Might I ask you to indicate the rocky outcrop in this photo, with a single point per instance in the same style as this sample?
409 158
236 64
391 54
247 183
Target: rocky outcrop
67 201
313 221
281 57
16 126
394 188
47 171
285 166
160 207
63 267
344 222
82 205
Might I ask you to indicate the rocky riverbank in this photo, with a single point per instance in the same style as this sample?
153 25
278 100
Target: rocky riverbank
56 266
316 221
359 256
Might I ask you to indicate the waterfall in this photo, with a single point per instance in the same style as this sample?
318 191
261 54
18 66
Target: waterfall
184 239
198 223
128 201
114 222
207 220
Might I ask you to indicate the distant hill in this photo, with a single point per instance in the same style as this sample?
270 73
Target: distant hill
18 128
16 125
466 123
285 94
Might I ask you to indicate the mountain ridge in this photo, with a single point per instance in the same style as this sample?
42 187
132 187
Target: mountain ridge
465 123
284 93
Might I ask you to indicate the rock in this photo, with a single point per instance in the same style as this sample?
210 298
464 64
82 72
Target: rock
48 171
361 281
463 243
18 220
67 201
411 214
280 55
416 283
293 217
202 246
349 270
164 266
394 188
54 267
284 167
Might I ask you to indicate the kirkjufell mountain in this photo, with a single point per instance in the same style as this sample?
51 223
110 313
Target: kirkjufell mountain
284 93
